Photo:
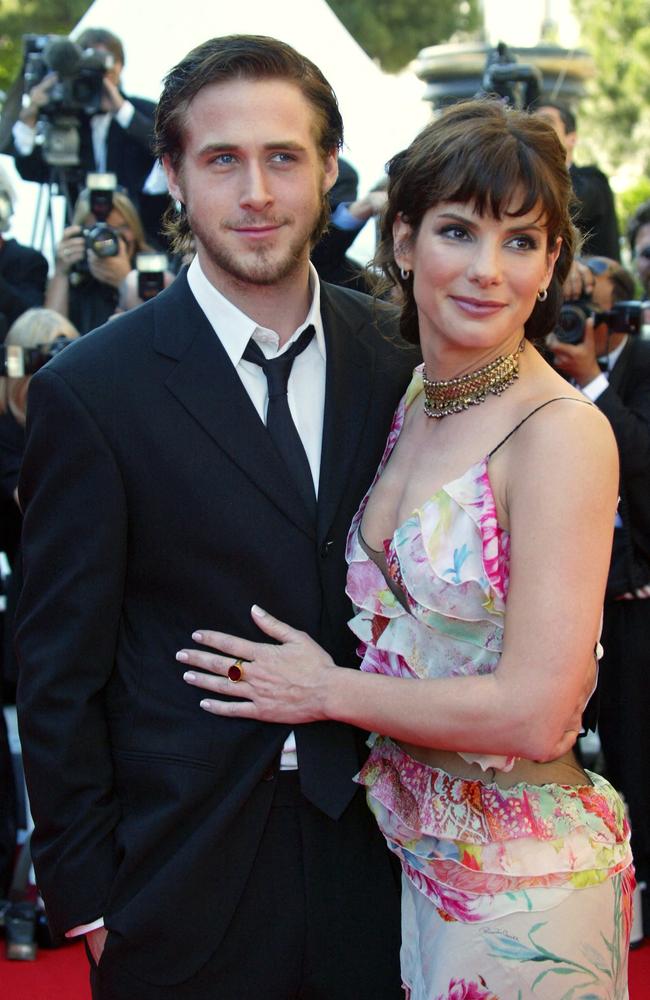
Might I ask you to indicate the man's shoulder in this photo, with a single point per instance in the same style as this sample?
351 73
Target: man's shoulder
355 309
589 173
142 104
14 252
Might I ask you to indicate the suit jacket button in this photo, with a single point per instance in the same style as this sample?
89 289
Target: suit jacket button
325 548
269 774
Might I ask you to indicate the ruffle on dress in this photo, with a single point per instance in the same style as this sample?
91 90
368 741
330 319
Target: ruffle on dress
486 851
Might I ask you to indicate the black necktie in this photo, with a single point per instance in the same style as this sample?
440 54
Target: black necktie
279 422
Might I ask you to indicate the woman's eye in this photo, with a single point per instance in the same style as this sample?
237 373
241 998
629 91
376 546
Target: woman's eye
455 232
523 242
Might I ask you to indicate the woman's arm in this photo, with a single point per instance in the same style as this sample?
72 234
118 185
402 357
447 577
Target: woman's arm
560 477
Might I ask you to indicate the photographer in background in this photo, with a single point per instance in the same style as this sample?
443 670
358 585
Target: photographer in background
85 284
595 216
117 139
43 334
638 235
23 271
613 370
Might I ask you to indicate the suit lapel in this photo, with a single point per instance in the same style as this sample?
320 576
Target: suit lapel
206 384
619 371
348 391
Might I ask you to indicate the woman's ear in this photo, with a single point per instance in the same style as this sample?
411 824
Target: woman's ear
402 243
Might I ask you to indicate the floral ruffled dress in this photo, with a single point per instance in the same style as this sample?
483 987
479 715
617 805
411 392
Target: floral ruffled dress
482 865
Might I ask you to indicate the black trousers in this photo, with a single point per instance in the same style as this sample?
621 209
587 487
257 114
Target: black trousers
318 919
624 724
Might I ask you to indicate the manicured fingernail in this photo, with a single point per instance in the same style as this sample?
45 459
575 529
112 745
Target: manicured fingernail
182 656
257 611
189 676
197 636
205 704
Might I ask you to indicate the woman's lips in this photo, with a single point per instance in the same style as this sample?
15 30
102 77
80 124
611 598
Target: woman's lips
478 307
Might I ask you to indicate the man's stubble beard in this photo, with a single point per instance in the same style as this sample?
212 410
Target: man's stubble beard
259 265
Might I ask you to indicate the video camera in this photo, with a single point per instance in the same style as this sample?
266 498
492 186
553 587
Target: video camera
623 317
518 84
78 91
19 361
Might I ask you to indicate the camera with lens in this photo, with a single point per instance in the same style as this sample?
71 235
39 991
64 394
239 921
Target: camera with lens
101 238
623 317
18 361
78 91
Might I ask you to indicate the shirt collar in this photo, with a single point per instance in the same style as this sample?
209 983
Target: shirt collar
610 359
234 328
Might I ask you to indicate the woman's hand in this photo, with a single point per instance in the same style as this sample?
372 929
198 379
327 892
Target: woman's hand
111 270
280 683
70 251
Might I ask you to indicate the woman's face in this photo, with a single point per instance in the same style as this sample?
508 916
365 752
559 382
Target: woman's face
475 278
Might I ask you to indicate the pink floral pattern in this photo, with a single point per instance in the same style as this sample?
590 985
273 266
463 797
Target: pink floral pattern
477 851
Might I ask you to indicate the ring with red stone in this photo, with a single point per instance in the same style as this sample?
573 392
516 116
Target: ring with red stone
236 671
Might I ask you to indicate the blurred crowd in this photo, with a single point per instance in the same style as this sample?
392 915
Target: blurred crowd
114 254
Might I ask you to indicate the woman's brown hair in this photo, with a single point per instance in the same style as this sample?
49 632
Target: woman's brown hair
482 152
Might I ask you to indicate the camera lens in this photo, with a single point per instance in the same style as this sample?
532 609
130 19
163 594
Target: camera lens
570 327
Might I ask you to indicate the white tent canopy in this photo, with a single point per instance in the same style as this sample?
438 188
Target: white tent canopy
381 113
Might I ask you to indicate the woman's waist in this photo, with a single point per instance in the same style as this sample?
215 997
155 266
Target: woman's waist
564 771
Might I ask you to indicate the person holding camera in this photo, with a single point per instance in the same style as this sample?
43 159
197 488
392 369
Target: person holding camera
638 235
46 332
23 270
595 212
93 259
612 368
117 138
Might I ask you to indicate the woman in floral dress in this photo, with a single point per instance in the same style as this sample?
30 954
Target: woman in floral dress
477 567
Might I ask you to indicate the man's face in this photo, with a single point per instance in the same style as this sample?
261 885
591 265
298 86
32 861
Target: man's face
554 119
642 243
252 180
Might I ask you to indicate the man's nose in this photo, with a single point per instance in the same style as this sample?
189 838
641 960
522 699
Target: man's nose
256 193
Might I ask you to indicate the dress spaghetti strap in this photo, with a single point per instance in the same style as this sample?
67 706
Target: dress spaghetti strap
529 415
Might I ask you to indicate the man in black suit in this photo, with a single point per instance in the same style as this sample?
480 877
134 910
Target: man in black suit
226 860
116 140
613 370
595 211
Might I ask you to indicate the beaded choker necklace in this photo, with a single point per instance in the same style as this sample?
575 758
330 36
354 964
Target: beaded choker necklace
456 394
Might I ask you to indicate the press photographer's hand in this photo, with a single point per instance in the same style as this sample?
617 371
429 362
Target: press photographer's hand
578 361
279 683
70 251
111 270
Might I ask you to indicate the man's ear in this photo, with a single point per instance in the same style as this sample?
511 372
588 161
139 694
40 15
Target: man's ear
330 170
403 243
173 179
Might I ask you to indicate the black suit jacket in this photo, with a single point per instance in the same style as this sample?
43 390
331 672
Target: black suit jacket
23 277
155 505
626 404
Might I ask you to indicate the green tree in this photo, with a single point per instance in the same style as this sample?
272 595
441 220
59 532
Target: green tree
39 17
394 31
616 113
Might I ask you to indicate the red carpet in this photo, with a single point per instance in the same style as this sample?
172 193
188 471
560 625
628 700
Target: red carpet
62 974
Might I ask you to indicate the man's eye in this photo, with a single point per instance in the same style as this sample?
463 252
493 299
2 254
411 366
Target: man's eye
283 158
223 159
